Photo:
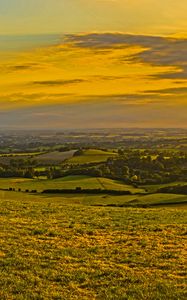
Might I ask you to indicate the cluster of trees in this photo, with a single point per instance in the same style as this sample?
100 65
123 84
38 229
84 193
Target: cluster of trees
19 168
177 189
138 167
132 166
79 190
9 171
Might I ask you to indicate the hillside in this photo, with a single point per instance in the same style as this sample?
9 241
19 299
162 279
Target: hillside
55 247
68 182
91 156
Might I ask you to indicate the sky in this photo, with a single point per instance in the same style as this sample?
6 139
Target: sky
93 63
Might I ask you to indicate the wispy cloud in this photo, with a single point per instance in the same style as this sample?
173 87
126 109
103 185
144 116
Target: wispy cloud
58 82
91 115
158 51
170 91
96 78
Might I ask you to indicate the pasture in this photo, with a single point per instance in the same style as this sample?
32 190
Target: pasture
152 188
68 182
43 158
92 156
59 248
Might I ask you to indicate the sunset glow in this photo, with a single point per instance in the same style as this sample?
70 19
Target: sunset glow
112 63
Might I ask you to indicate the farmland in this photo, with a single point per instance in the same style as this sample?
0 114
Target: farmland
42 158
63 248
69 182
155 187
51 158
54 157
92 156
83 215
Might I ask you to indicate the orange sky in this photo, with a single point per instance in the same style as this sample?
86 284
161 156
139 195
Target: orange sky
106 77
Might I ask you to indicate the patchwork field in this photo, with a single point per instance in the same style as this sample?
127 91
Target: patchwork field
54 157
60 248
43 157
92 156
68 182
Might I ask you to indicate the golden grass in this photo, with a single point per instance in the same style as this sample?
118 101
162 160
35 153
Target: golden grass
52 250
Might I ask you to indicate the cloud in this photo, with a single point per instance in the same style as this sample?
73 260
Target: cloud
110 40
96 79
20 100
140 100
19 67
158 51
179 74
108 77
178 90
92 115
58 82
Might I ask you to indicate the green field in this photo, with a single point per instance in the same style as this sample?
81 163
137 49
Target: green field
68 182
92 156
60 248
159 199
105 200
43 168
154 187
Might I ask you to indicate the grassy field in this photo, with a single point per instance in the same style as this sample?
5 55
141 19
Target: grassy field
91 156
68 182
43 168
59 248
104 199
159 199
154 187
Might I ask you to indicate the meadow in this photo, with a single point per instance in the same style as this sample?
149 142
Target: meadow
152 188
92 246
52 158
92 156
65 248
68 182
